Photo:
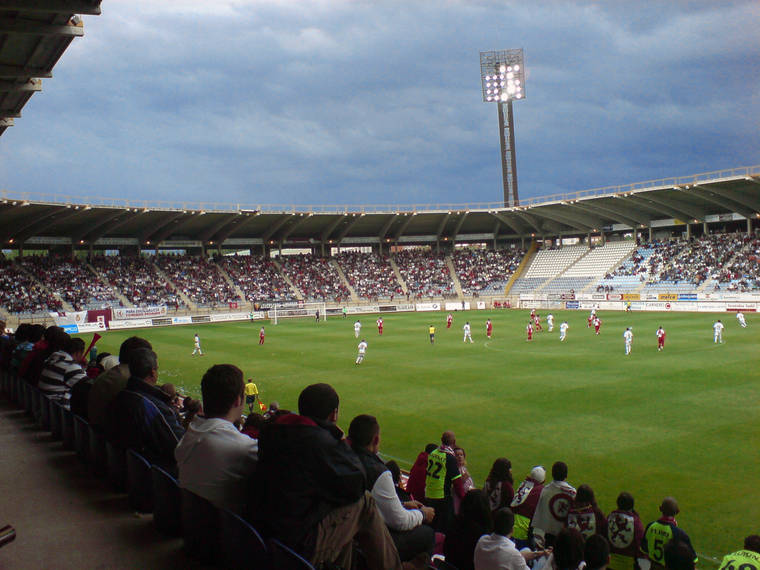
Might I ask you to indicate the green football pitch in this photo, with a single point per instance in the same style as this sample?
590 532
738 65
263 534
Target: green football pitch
683 422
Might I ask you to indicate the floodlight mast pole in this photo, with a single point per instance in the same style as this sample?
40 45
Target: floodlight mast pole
502 76
508 159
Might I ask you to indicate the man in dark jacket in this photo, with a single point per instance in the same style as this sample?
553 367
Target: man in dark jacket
141 416
310 487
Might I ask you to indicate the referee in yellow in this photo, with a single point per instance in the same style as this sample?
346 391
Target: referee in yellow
251 393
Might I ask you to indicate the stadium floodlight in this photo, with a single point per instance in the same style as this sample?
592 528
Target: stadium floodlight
502 78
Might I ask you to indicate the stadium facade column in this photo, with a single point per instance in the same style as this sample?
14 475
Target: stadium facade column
749 226
704 228
650 233
688 230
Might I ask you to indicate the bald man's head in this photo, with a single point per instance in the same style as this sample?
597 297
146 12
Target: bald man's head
448 438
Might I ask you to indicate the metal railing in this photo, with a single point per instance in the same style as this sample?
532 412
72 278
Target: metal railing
228 207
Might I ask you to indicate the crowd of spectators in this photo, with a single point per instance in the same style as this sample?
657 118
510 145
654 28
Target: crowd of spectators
20 293
315 277
257 277
137 279
479 269
743 273
198 278
298 479
691 261
425 273
72 280
370 275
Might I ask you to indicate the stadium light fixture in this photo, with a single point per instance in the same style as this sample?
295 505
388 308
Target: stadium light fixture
502 79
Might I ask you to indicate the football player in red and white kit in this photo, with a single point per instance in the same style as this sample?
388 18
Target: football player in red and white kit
660 339
380 325
597 324
529 330
537 323
489 328
449 320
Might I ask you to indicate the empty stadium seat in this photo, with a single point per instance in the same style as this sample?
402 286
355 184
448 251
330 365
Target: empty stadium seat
55 420
98 455
200 527
241 545
167 504
285 558
139 482
81 438
44 415
116 467
67 425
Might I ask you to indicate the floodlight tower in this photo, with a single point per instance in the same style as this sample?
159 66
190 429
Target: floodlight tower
502 77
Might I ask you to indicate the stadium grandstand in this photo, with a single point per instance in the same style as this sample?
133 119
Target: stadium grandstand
87 265
687 235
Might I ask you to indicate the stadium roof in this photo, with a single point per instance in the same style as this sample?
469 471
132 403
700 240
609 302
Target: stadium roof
33 36
50 219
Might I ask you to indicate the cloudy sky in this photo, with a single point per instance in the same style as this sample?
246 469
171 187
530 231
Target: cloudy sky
378 102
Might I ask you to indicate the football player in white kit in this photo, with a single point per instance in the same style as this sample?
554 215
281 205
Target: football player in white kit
718 332
467 332
740 318
628 337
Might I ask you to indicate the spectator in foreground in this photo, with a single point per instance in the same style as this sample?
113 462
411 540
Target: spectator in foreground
472 522
585 515
106 386
498 485
596 552
568 551
524 504
141 416
662 531
415 485
442 481
679 555
62 369
395 470
310 492
496 551
214 459
624 532
553 505
750 555
404 520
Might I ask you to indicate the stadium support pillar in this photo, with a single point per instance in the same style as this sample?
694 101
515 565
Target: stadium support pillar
688 230
749 226
704 228
650 233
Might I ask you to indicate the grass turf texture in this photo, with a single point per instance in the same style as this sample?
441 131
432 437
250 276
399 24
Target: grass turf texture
682 422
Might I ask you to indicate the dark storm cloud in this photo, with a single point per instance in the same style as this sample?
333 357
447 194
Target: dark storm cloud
379 103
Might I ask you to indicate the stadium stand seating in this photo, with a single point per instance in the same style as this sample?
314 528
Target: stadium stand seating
315 278
590 267
370 275
20 293
485 272
198 278
425 273
257 277
683 266
137 279
546 264
72 280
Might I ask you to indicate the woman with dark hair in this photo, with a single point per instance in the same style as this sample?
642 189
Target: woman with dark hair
568 552
498 485
472 522
585 515
467 482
